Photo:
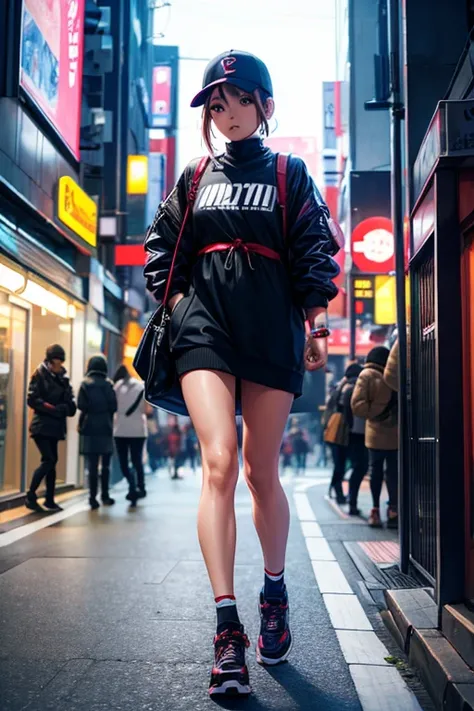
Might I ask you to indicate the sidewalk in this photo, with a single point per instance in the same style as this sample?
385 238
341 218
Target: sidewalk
113 610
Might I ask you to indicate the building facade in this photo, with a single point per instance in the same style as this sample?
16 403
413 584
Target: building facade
70 118
360 162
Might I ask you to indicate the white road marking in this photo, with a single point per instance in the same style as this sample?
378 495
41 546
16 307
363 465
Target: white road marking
346 612
330 578
362 647
382 688
318 549
311 529
377 684
303 508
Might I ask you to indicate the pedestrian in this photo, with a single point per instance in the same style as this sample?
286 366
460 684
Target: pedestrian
191 446
51 397
373 400
174 450
155 440
338 449
391 369
244 281
98 403
321 461
357 453
354 450
286 452
300 447
130 431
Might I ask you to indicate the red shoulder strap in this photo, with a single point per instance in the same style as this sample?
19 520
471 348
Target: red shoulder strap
198 173
282 165
192 194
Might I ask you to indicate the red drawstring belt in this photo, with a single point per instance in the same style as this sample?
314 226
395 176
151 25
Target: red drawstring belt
247 247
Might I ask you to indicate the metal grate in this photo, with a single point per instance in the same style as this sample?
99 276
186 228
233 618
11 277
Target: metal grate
423 418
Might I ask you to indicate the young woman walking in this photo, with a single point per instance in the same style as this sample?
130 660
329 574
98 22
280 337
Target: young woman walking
242 288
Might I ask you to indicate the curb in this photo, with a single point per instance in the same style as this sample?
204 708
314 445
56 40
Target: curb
412 619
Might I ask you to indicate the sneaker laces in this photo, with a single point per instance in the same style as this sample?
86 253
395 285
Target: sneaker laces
274 615
228 646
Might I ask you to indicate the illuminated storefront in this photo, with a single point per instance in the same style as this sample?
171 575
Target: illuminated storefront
33 314
43 300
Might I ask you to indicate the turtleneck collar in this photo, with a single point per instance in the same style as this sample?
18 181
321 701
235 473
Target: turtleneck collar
247 149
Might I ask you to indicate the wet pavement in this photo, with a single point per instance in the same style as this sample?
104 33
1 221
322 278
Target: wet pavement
113 609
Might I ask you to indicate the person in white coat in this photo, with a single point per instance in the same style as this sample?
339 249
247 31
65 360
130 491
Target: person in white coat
130 431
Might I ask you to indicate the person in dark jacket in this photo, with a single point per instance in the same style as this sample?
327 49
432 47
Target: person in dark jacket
174 450
300 446
355 450
97 403
191 447
51 397
245 278
378 404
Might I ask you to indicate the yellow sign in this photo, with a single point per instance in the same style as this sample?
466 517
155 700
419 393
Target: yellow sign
363 283
385 300
363 289
77 210
137 175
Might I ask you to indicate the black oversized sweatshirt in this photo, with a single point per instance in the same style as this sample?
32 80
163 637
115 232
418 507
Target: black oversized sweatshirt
243 313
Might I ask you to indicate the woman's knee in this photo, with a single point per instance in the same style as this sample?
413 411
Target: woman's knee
221 468
261 477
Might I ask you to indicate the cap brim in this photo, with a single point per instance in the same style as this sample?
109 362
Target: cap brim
201 98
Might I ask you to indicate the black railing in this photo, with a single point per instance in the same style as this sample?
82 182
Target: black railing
423 445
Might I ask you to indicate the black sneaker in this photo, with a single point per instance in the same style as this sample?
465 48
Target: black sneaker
275 641
132 496
32 504
141 494
94 504
108 501
52 506
230 674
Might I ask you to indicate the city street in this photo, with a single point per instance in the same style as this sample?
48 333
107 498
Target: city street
113 609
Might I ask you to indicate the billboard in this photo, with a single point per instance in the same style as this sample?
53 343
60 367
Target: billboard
52 37
161 109
372 241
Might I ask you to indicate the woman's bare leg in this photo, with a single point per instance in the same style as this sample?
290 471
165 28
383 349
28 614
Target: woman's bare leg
265 412
210 399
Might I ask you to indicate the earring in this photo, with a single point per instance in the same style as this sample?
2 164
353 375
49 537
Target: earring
262 131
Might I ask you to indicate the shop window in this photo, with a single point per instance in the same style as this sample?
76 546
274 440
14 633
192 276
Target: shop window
13 345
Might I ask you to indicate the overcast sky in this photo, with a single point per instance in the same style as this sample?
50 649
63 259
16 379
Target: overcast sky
295 38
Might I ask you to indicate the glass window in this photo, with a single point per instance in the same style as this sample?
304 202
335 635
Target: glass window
13 343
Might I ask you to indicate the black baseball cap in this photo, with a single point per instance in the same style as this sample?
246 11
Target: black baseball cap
241 69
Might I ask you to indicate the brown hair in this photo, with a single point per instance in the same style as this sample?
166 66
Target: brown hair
206 129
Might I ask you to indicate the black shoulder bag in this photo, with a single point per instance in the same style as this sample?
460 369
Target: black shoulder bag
153 361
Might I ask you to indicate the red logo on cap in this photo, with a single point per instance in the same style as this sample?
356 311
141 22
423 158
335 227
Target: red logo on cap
227 63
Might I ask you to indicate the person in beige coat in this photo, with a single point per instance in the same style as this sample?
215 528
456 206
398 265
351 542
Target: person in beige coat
375 401
391 369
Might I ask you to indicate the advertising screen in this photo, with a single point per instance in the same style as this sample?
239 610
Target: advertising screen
161 97
52 36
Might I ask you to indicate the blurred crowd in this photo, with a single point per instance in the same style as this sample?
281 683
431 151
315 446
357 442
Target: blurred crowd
113 418
358 425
